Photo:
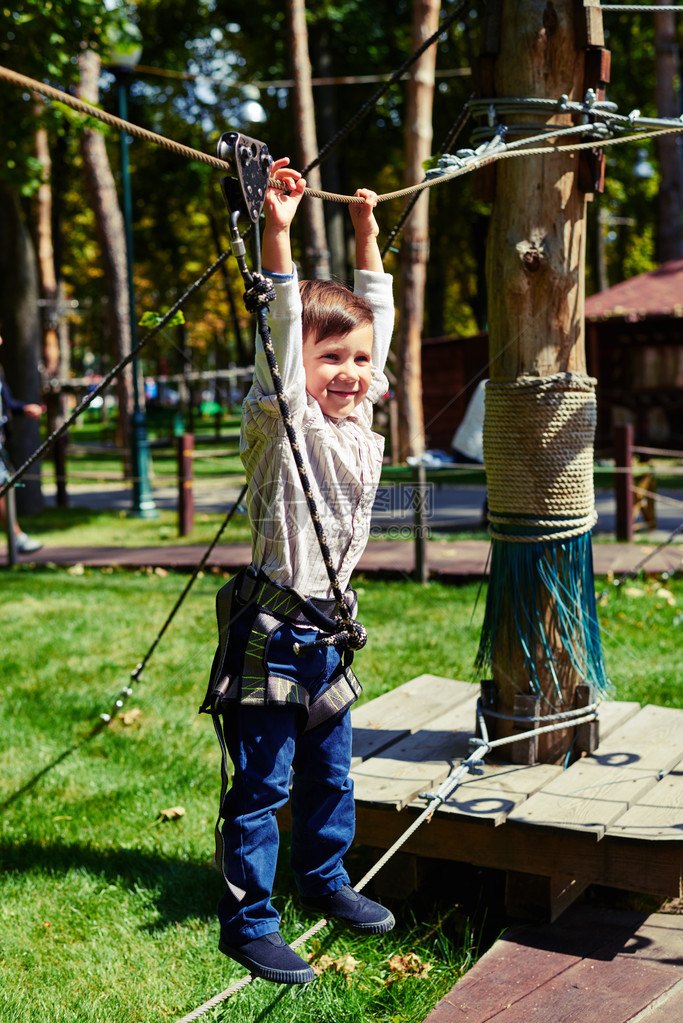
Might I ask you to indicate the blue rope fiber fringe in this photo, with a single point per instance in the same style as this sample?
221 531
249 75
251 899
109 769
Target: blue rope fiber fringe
541 598
541 615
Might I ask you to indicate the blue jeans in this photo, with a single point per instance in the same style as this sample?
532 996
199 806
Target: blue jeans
265 744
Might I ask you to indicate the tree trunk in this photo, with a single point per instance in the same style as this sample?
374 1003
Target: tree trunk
112 239
415 245
55 400
336 215
317 256
668 147
535 275
21 340
244 357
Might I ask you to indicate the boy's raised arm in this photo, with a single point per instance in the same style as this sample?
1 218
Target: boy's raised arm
366 229
279 208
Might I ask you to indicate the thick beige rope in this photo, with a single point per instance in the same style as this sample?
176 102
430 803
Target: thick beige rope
213 161
538 452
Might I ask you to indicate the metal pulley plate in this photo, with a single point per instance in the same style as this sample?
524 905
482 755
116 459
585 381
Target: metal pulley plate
250 161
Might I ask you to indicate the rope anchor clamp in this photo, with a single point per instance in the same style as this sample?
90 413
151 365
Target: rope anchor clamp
245 190
448 162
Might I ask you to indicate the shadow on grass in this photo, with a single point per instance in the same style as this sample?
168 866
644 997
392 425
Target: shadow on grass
181 889
33 781
51 520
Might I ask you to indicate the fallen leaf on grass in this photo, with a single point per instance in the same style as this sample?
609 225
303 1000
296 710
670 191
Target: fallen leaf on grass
666 595
633 591
129 717
171 814
409 965
345 964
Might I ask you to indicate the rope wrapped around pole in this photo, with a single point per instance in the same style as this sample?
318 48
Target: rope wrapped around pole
538 452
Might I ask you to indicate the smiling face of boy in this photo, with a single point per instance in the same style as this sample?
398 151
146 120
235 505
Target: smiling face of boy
338 370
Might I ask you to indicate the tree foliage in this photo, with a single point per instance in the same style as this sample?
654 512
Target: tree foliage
217 69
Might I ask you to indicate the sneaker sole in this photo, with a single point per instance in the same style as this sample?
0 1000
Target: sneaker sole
376 927
304 976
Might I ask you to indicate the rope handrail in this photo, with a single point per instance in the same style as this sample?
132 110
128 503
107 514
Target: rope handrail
652 8
657 498
475 163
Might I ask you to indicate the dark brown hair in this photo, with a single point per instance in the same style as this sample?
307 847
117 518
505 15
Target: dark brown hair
331 310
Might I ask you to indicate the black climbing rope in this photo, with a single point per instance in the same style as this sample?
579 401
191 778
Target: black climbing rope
377 95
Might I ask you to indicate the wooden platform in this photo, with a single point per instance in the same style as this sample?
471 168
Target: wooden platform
591 964
613 818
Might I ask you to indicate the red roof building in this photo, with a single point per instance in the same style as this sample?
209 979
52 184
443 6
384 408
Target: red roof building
634 345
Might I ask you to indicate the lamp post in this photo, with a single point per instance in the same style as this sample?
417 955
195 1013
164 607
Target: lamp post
125 53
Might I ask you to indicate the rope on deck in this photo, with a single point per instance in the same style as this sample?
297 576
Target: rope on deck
578 716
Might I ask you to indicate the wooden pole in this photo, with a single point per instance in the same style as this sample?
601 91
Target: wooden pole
535 266
623 481
670 198
185 448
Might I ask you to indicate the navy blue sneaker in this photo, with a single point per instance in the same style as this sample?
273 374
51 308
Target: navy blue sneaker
354 910
271 958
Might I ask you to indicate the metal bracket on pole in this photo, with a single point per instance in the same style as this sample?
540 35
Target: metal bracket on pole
250 160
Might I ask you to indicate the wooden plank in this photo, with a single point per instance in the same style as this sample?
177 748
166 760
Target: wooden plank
500 789
659 939
613 713
658 815
502 977
669 1007
490 805
625 988
394 715
416 763
517 779
648 867
651 740
588 796
495 793
537 962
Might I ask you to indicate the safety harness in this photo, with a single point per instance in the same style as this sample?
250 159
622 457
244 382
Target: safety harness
253 683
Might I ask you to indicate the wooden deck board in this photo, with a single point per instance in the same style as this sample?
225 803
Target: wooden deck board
658 815
394 715
420 761
669 1008
650 740
614 817
589 796
619 966
497 791
613 713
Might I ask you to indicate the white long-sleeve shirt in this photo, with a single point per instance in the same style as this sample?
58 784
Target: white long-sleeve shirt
343 456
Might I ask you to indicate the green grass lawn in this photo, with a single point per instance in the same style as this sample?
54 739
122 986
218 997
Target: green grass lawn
107 906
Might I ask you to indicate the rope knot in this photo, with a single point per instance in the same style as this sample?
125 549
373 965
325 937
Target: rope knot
260 293
357 635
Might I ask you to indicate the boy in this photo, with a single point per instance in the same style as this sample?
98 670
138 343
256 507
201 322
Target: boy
283 709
